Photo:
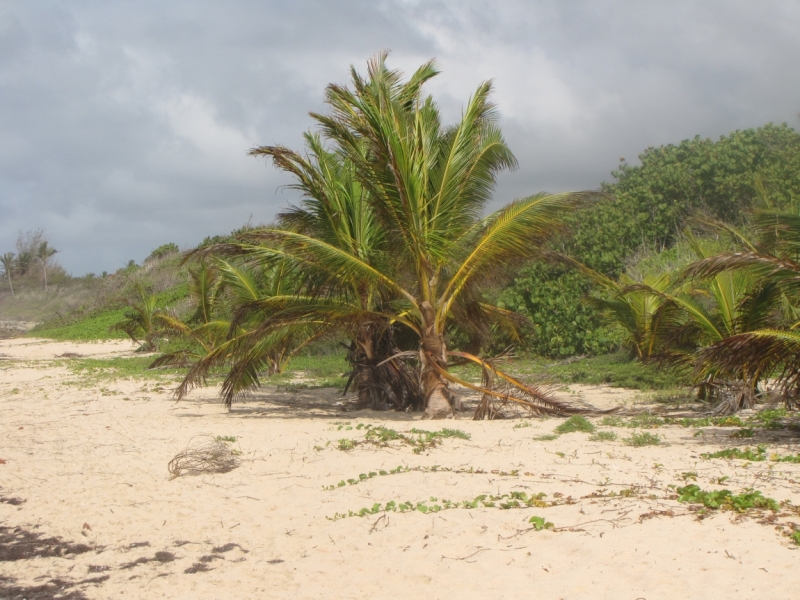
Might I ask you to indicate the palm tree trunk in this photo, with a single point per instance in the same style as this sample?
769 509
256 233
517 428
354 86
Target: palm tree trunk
437 396
11 285
364 358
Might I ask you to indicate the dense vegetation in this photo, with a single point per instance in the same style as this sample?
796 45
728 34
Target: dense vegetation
644 215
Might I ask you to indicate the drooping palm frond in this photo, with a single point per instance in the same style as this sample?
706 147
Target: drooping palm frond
508 237
501 391
241 282
778 230
338 265
757 355
783 271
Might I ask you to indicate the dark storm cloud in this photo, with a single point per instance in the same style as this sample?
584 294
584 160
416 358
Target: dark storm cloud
124 125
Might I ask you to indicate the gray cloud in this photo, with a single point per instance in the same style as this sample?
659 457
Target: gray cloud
124 125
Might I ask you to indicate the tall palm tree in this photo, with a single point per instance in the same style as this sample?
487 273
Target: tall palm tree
7 261
427 185
44 253
25 259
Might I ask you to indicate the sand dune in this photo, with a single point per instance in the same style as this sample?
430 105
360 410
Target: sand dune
85 462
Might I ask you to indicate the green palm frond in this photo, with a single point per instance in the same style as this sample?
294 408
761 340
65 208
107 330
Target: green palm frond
510 236
172 324
337 264
204 288
241 281
783 271
779 230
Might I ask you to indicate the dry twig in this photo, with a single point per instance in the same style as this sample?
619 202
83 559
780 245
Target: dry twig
204 456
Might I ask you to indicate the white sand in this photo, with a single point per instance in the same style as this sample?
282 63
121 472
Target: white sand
85 454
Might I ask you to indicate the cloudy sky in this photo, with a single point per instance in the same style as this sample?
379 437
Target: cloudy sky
125 125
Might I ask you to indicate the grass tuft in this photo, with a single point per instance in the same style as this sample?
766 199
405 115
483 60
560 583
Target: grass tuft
575 423
643 439
603 436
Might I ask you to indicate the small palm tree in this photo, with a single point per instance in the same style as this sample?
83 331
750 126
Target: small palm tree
7 261
203 330
760 352
640 308
140 322
427 186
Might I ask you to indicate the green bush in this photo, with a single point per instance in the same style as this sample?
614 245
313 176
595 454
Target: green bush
563 324
649 203
162 251
575 423
635 227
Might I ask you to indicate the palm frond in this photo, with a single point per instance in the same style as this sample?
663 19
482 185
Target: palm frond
510 236
783 271
755 355
337 264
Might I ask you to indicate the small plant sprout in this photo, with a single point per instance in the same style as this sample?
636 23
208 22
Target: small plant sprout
539 523
346 445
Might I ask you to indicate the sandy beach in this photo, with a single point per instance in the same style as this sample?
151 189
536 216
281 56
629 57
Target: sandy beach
83 466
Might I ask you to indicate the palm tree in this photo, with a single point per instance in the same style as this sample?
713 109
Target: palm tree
140 322
427 186
334 209
762 352
44 253
24 261
641 308
7 261
201 329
